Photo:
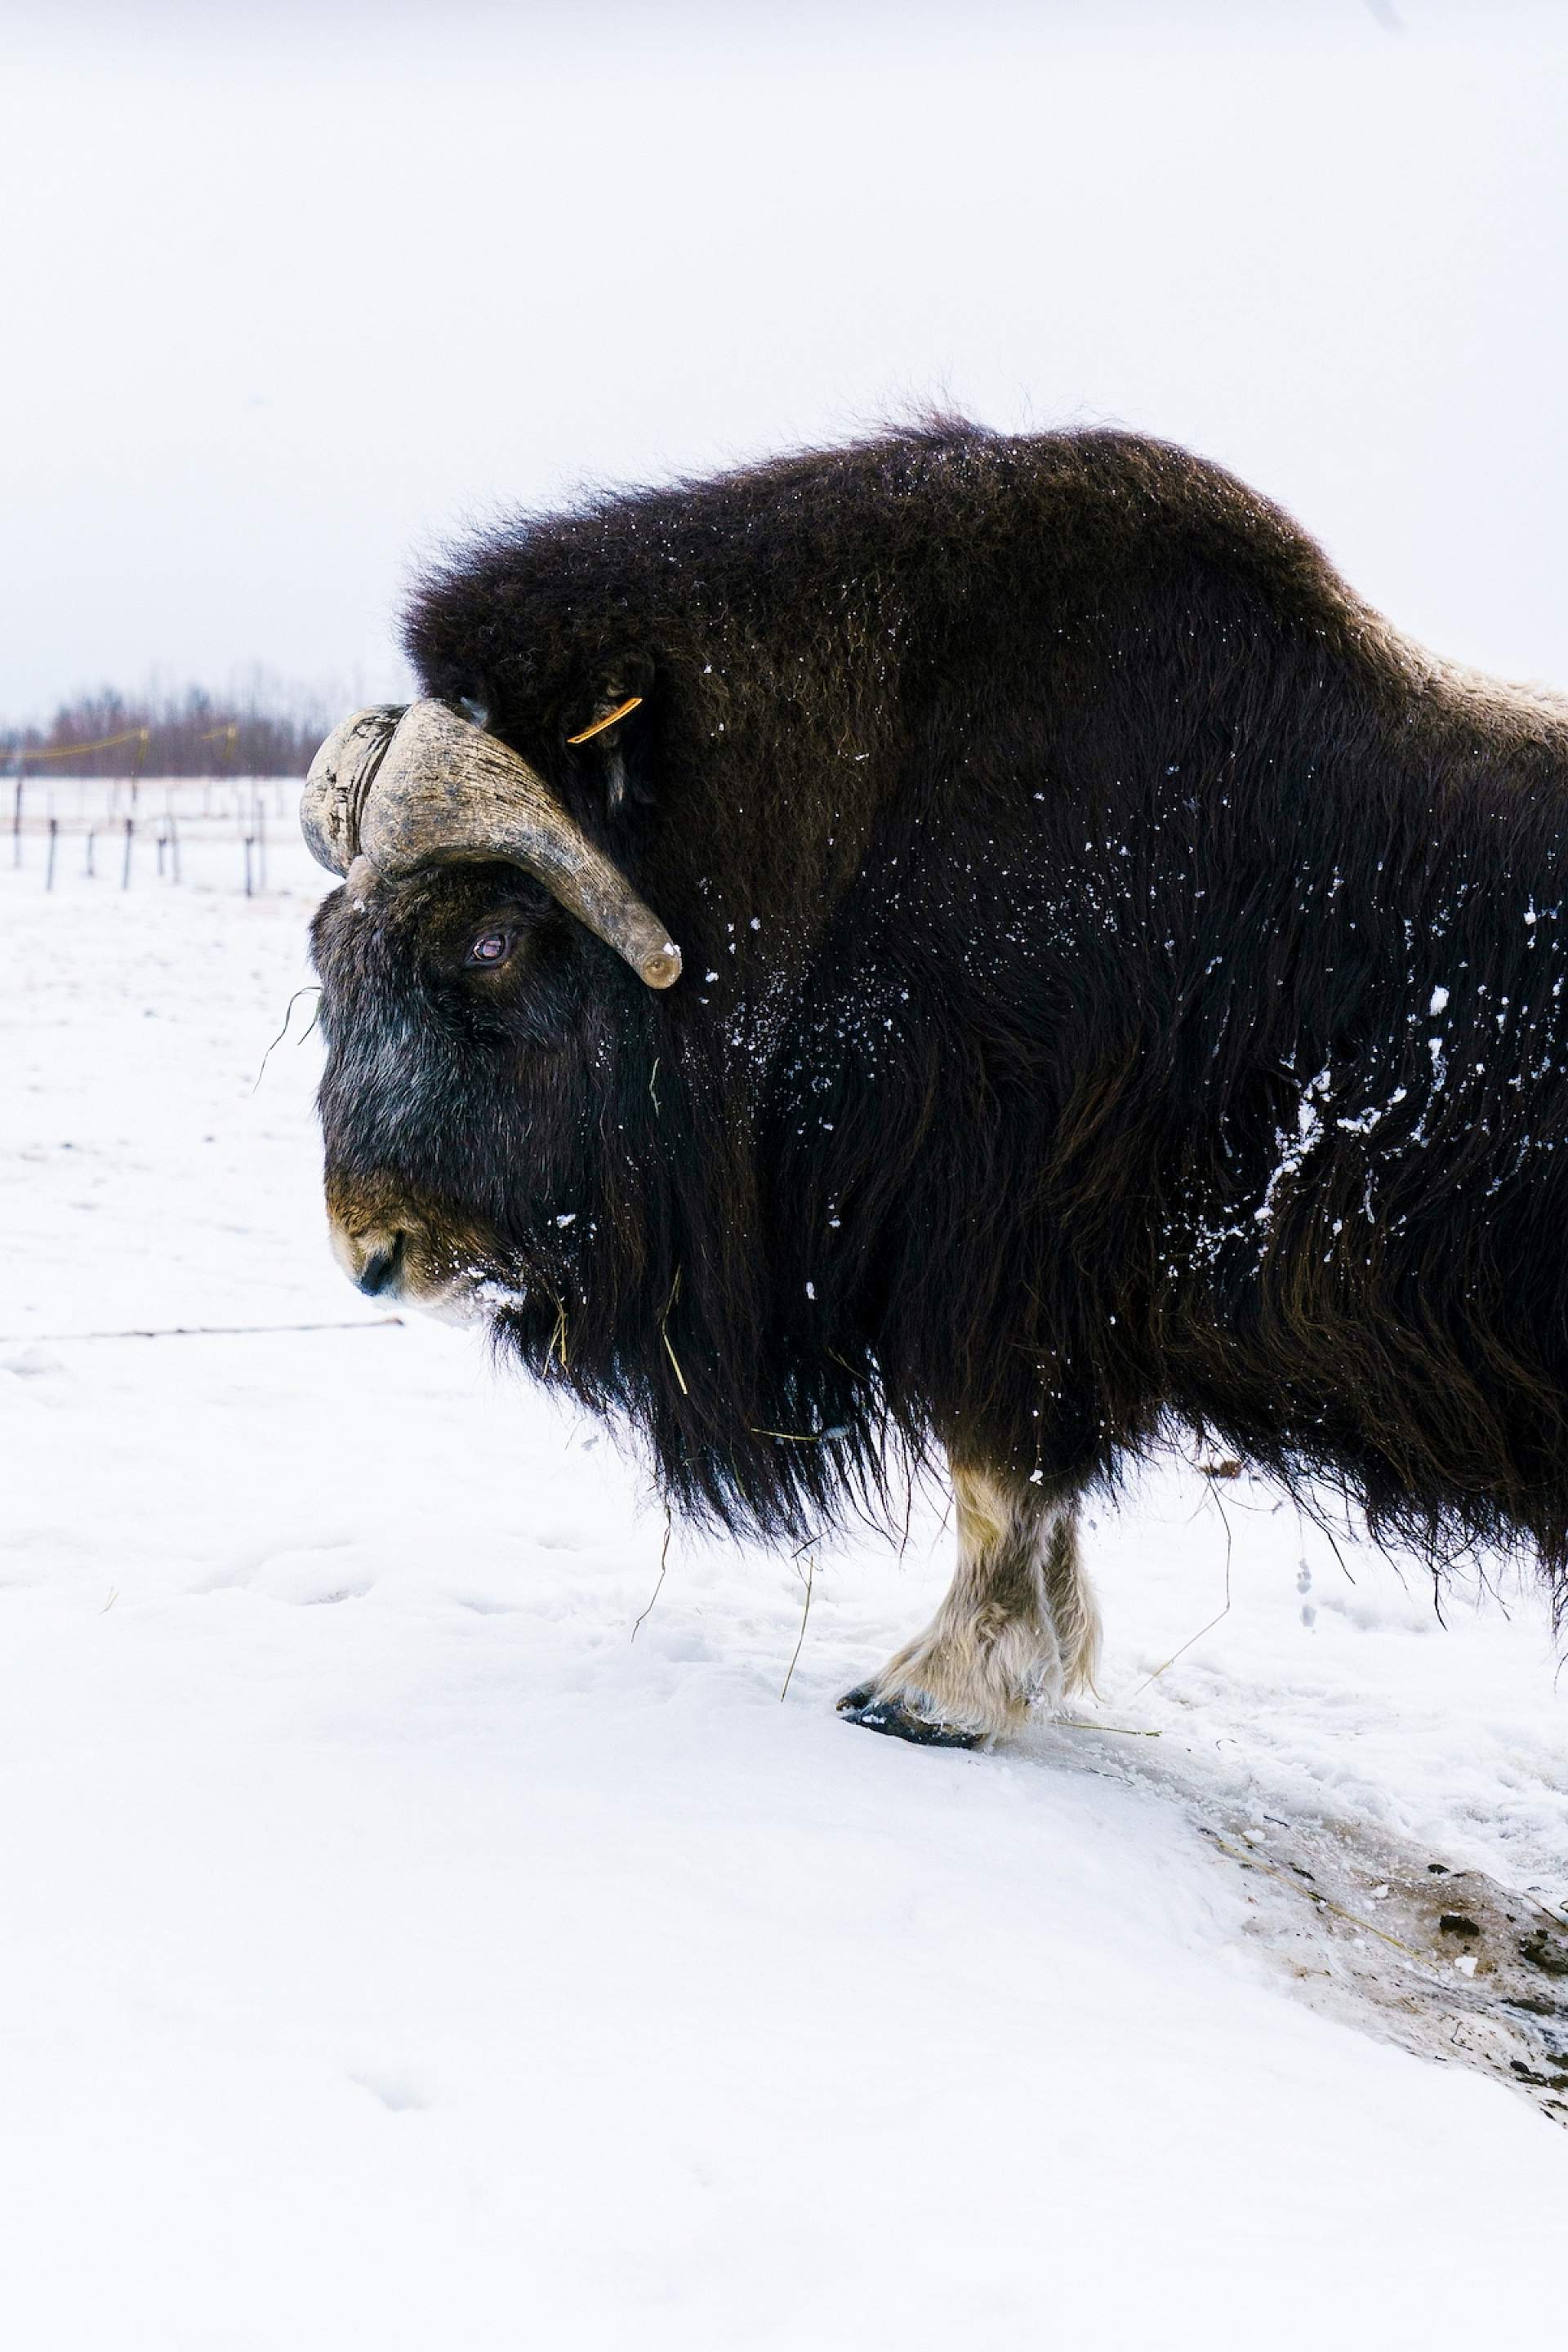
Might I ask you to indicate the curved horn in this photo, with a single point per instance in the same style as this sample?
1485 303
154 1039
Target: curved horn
445 791
341 775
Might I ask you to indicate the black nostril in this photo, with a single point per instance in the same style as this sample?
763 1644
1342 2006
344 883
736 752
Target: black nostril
380 1267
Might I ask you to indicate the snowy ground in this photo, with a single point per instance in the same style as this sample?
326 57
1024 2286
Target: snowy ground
397 1955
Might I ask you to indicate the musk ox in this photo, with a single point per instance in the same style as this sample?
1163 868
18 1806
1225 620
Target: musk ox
974 943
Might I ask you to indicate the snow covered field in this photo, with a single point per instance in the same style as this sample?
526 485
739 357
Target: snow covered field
396 1954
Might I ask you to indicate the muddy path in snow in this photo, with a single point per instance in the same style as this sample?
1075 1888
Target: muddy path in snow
1444 1962
1441 1961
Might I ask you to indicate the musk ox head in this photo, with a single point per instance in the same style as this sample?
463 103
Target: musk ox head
451 1004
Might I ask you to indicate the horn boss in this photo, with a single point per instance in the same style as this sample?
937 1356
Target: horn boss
407 788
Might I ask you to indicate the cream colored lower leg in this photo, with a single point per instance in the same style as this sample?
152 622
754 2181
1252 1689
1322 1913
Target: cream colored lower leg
1018 1623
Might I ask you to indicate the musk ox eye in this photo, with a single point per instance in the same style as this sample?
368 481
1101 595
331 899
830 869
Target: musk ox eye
492 947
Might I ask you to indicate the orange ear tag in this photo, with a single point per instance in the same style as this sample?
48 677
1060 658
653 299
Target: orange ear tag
608 719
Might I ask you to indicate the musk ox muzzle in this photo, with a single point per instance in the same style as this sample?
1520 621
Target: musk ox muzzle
405 788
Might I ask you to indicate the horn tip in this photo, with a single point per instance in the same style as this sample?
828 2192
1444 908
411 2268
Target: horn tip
661 969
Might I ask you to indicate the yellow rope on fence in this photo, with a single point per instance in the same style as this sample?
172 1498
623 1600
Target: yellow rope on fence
142 735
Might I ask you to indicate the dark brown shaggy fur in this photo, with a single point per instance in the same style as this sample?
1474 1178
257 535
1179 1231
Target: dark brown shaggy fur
1123 986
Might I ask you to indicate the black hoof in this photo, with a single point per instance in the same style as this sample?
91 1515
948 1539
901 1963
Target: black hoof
854 1700
897 1722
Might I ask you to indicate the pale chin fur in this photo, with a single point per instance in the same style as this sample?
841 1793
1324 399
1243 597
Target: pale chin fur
471 1296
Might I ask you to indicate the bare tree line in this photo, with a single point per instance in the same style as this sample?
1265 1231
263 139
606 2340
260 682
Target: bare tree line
272 731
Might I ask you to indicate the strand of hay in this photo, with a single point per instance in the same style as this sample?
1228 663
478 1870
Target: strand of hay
810 1579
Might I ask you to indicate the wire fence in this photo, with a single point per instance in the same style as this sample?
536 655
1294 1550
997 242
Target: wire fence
120 832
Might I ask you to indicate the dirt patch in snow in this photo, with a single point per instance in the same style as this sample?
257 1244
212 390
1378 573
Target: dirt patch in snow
1443 1962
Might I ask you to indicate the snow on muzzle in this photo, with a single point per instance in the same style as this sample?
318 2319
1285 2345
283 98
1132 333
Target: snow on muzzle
413 1254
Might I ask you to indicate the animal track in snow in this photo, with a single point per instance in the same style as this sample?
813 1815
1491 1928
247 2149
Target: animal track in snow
396 2091
310 1579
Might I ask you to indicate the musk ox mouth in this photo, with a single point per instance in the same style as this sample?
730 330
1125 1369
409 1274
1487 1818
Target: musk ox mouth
399 1259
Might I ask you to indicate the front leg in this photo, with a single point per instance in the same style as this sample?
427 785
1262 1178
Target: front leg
1018 1623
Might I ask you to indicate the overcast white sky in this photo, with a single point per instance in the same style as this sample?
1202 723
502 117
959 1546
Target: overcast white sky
290 293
